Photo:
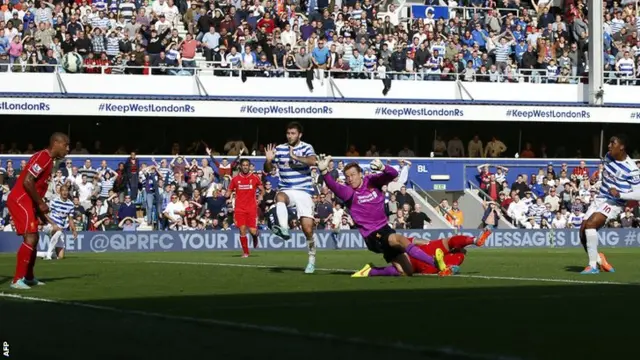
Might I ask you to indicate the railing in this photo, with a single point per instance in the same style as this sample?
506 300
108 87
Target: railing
620 78
433 202
204 68
486 198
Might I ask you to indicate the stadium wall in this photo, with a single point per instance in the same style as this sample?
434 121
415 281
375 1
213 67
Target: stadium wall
232 87
449 174
154 241
190 96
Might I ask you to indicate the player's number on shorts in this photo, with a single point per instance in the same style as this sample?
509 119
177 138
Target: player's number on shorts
606 209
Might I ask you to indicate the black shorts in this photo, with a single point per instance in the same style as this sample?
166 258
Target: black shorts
378 242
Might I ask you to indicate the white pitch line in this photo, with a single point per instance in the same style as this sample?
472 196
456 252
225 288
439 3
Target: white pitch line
438 352
512 278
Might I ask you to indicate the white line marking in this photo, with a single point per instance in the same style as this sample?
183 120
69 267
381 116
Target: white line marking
437 352
350 271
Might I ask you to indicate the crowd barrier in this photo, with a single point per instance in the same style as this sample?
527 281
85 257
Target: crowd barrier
151 241
450 174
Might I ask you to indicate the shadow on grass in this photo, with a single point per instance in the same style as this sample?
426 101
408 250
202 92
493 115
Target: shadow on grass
286 269
574 269
4 279
525 322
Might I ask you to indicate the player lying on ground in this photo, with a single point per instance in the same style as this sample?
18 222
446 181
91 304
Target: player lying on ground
61 215
245 185
26 207
453 249
365 199
620 182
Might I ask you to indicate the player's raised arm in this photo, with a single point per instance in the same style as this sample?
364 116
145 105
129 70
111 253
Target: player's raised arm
270 155
309 157
382 178
343 192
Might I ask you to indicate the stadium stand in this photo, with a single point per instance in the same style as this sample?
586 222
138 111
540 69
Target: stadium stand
472 40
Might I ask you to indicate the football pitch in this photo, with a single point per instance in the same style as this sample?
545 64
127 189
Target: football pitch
506 304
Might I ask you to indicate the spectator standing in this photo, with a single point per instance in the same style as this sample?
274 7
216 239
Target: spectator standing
418 219
455 148
491 215
475 148
131 170
495 148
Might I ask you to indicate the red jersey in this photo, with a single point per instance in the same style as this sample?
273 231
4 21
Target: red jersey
39 165
245 187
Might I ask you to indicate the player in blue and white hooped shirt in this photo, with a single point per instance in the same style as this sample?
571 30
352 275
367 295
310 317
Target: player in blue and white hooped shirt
620 183
294 161
62 216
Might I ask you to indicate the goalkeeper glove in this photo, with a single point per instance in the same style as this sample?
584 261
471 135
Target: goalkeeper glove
323 163
376 165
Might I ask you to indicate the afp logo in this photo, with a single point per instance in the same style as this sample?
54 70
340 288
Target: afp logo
422 169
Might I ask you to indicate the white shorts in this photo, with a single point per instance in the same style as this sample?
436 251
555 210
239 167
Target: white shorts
60 244
302 201
604 206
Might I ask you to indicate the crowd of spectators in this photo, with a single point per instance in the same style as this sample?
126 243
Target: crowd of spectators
186 194
554 198
137 194
506 41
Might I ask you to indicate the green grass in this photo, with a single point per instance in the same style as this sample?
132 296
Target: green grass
501 306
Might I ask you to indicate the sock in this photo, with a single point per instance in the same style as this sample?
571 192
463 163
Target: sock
460 241
244 242
23 260
52 243
41 254
311 244
254 239
583 240
592 246
283 215
384 271
32 264
420 255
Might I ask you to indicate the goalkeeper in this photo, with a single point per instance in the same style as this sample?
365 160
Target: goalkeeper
364 198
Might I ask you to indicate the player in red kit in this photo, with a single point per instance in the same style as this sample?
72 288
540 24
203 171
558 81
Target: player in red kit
245 212
27 207
453 248
454 254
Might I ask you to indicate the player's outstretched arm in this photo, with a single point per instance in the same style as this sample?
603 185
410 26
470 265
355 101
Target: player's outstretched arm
383 178
345 193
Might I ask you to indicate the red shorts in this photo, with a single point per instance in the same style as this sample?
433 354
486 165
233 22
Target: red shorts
450 259
24 216
248 219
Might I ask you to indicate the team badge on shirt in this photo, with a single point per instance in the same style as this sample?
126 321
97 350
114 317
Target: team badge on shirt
36 169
